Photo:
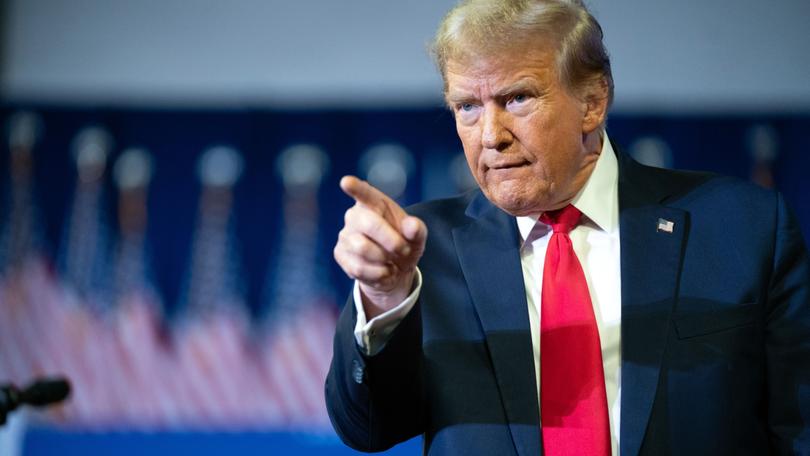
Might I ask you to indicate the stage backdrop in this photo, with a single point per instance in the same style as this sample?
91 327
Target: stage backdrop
176 265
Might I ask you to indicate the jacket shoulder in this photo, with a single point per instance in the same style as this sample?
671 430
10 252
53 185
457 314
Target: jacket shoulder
693 185
684 186
446 212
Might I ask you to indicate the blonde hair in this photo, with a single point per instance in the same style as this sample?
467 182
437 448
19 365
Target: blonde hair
485 27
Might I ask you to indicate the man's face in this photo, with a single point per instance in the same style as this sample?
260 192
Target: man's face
529 142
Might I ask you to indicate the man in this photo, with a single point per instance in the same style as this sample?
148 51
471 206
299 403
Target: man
579 303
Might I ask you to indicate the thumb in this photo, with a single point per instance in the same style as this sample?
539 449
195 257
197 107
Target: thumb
414 230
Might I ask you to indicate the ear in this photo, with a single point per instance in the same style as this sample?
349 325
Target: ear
595 103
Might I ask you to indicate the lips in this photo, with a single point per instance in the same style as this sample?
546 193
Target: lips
508 165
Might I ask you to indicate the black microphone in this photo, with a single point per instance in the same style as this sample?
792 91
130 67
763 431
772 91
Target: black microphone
43 391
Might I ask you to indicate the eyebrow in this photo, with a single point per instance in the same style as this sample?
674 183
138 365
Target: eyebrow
521 86
524 85
454 98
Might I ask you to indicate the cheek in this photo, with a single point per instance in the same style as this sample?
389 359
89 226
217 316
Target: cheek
472 163
551 141
472 148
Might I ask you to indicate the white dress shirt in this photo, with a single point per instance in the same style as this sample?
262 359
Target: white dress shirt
596 243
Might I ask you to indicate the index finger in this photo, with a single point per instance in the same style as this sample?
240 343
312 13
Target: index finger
363 192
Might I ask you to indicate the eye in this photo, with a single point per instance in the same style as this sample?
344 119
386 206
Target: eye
520 103
466 107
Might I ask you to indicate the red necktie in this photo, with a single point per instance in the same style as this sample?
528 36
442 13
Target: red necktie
573 403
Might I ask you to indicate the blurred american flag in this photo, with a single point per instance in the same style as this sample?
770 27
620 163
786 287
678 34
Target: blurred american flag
98 317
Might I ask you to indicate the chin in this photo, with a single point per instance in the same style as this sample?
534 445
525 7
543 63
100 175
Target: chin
518 197
515 204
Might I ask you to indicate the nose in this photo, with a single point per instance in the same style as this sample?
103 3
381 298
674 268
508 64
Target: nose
495 133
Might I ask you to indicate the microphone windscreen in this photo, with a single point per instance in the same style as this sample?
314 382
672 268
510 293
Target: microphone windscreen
46 391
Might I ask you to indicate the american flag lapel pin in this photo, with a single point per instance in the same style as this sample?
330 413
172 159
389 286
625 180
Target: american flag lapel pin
665 226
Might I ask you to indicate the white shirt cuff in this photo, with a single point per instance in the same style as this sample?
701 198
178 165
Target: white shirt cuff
372 336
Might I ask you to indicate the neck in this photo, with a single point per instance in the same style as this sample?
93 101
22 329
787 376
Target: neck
592 143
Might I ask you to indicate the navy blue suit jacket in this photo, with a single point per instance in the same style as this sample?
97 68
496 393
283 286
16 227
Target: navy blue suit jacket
715 330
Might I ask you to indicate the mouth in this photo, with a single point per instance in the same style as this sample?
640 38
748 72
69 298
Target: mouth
510 165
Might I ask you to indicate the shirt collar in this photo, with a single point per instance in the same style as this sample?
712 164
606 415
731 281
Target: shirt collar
597 200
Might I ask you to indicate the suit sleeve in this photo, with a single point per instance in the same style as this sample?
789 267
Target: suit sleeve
375 402
788 339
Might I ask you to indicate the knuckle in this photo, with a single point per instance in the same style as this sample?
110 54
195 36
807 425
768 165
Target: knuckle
366 224
359 221
358 268
362 247
359 243
349 215
343 242
352 268
343 262
393 243
399 243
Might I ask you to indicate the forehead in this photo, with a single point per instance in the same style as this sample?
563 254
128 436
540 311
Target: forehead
494 69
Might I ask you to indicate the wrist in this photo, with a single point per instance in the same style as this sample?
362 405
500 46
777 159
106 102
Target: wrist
376 301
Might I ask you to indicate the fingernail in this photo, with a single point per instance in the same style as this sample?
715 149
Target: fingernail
405 250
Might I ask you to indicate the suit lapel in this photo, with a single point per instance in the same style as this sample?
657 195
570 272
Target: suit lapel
652 241
488 251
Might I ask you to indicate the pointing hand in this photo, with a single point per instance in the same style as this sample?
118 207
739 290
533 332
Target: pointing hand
379 246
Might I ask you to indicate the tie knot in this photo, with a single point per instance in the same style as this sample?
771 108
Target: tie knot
562 220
